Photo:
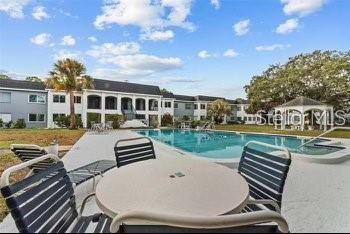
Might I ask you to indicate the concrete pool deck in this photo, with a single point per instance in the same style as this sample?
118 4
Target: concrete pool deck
316 198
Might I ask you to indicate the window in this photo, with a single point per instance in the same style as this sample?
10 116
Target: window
36 118
5 117
5 97
195 106
176 105
59 98
188 106
202 117
167 104
77 99
202 106
36 98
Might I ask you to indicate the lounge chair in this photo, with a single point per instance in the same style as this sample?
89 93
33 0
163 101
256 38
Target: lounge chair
131 153
237 223
266 174
45 201
79 175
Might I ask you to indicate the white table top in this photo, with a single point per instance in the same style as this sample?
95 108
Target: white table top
207 189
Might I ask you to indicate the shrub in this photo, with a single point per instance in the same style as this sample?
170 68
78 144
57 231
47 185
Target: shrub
20 124
167 120
116 119
1 123
63 121
196 123
93 117
186 118
177 123
8 124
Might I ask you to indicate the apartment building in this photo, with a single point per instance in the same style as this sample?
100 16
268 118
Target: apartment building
40 107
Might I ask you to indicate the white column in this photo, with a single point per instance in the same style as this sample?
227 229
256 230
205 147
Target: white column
332 117
103 104
325 117
133 102
84 102
147 104
302 121
159 112
283 120
119 103
49 110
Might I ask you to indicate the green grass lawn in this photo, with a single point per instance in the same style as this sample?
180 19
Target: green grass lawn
271 130
42 137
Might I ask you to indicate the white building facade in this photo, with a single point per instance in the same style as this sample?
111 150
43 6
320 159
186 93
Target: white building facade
134 101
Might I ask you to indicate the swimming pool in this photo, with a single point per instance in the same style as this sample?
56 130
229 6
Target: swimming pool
229 145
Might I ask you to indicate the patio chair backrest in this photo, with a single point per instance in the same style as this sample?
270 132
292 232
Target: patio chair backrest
43 202
265 173
130 153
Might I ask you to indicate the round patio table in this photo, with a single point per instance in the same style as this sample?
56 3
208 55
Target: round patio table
177 186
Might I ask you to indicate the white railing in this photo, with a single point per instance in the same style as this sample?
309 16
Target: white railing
321 135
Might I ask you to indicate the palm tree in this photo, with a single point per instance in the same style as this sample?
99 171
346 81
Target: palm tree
69 75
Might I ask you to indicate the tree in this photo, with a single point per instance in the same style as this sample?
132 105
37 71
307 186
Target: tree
69 75
164 91
218 109
323 76
33 79
4 77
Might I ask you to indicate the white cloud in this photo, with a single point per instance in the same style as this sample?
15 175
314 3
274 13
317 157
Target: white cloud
148 15
242 27
68 40
215 3
272 47
92 39
62 54
230 53
130 61
157 35
204 54
287 27
14 8
107 50
302 7
39 13
41 39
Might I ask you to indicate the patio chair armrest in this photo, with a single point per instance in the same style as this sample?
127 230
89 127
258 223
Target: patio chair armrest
5 177
84 203
265 202
224 221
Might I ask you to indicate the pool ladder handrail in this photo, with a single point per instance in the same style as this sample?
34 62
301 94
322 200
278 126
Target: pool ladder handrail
321 135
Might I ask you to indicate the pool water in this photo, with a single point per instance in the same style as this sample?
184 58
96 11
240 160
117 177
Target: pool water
229 145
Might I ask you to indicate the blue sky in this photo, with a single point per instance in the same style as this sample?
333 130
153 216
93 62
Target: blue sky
208 47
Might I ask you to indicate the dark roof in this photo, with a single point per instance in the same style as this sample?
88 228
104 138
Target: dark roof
168 95
241 101
21 84
126 87
184 98
208 98
302 101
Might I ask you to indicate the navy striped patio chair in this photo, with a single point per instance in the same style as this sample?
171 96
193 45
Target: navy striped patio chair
253 222
127 152
79 175
266 174
45 201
